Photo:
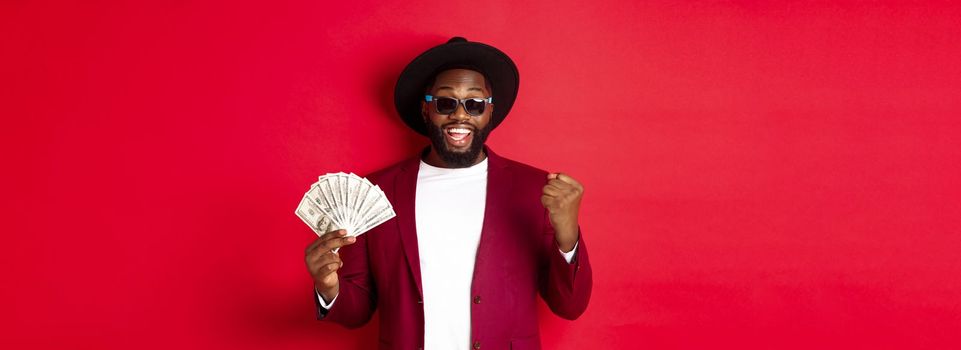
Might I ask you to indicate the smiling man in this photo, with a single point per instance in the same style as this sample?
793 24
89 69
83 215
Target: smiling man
476 237
457 134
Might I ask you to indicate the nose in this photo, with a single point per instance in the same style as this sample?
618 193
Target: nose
460 113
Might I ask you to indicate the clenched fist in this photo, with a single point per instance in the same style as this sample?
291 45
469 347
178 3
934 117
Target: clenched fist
562 198
323 262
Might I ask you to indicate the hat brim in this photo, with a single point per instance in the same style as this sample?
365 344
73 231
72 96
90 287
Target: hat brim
497 67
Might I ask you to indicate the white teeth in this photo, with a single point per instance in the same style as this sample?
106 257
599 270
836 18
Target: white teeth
458 131
458 134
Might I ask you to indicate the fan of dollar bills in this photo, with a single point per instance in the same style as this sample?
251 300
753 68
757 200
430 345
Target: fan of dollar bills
344 201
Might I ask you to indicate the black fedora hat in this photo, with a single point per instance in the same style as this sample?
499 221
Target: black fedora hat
498 69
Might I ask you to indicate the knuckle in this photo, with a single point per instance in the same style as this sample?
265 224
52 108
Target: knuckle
325 259
313 245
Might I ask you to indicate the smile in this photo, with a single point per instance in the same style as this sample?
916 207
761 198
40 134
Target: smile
458 136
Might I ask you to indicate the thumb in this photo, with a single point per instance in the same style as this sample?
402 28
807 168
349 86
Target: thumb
552 176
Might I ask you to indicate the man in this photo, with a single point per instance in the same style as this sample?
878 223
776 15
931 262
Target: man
476 236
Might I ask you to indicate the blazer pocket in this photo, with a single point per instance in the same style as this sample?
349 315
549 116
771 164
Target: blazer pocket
529 343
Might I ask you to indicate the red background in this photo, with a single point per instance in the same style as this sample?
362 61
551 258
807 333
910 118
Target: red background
757 175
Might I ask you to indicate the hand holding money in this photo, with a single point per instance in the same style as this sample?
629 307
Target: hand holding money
562 199
338 208
323 262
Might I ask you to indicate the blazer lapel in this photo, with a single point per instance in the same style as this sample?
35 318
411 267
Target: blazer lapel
406 188
498 189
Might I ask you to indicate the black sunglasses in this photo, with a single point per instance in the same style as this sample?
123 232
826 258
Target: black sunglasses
447 105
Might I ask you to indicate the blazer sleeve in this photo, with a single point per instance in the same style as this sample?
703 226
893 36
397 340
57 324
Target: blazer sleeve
566 287
357 297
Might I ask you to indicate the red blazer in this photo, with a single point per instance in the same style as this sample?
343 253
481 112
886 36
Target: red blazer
517 258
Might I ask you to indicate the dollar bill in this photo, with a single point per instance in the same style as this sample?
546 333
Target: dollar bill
344 201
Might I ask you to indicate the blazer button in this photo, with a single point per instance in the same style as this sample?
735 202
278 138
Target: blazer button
477 299
420 301
476 345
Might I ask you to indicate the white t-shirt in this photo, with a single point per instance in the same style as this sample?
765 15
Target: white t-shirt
449 212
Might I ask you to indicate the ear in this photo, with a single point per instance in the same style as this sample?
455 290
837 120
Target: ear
423 111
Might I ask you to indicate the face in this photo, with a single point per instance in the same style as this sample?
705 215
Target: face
457 138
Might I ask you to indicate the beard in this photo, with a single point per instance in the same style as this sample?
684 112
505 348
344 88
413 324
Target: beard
457 159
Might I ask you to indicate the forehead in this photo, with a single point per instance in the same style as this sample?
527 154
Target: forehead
460 78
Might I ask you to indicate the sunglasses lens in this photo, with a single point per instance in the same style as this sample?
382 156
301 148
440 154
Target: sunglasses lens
446 105
474 106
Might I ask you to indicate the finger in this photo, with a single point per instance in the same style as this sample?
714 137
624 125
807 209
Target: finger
333 267
321 254
557 185
560 184
324 259
330 245
323 238
326 270
544 200
548 201
322 272
566 178
313 245
552 191
566 186
334 234
551 176
338 242
316 255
